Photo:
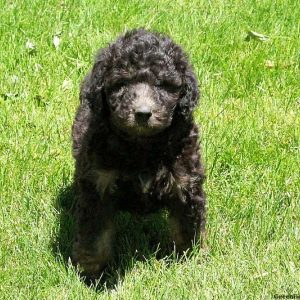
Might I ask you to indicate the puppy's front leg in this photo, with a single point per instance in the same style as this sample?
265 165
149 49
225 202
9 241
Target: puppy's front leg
92 248
187 218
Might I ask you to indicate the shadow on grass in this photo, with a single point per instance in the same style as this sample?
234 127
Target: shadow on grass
137 239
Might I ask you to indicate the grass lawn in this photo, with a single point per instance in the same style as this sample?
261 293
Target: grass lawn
249 117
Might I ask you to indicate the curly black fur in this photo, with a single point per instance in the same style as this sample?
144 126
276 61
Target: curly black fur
123 163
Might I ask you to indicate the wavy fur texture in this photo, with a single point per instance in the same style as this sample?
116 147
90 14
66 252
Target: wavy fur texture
119 169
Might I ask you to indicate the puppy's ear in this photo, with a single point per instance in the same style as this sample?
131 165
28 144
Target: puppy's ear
189 95
91 90
91 93
86 93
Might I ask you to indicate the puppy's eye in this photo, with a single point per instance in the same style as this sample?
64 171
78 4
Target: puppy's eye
115 87
169 87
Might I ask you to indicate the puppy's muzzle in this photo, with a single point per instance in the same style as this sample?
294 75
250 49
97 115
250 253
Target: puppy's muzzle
143 114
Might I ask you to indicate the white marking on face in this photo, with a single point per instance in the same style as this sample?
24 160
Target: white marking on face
143 97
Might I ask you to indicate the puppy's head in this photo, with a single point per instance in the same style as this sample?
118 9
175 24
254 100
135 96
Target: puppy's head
145 80
142 108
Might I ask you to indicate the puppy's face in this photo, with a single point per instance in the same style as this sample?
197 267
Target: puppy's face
143 108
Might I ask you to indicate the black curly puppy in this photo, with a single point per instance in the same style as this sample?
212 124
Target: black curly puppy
136 145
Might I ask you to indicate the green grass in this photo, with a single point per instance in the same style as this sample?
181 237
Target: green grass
249 115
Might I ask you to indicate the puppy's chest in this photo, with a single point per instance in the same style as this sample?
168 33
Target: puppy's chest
138 157
143 182
146 183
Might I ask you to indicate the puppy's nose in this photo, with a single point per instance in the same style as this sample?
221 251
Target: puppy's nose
143 114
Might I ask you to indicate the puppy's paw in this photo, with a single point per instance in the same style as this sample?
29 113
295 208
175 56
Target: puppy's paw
89 263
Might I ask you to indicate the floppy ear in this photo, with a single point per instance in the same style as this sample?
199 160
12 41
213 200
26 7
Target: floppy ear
91 106
91 93
91 90
189 95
